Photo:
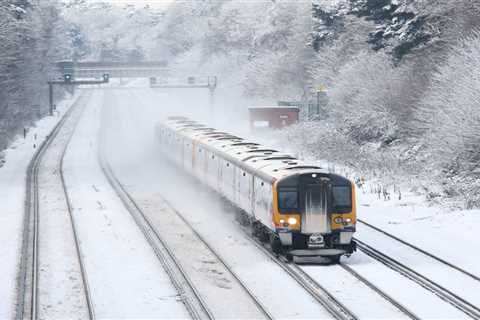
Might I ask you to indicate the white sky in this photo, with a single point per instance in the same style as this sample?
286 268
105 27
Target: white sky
139 3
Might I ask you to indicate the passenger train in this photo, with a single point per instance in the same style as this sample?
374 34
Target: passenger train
300 208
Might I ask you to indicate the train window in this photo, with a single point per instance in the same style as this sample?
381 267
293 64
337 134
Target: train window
341 199
288 200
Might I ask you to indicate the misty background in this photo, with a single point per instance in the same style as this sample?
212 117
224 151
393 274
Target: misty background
401 78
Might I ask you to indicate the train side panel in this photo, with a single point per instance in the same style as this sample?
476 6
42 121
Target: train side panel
263 202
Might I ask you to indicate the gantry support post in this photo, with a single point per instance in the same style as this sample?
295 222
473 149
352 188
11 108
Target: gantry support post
71 84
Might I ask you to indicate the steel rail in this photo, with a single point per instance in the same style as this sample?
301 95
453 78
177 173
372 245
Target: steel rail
380 292
449 264
456 301
220 259
88 295
31 226
163 254
317 291
191 298
259 304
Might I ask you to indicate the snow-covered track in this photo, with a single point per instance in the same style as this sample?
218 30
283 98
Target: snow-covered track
322 295
430 255
380 292
190 296
28 284
317 291
192 299
458 302
80 255
259 304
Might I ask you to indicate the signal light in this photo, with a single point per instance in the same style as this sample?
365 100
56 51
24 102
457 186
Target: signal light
67 77
106 77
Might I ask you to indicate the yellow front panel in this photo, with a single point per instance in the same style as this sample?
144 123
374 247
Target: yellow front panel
277 216
352 215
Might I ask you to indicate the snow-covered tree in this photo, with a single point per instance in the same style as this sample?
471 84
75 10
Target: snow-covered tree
451 115
31 39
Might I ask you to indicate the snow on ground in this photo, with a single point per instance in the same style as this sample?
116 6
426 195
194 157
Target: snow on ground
12 197
126 279
352 293
415 298
449 234
456 282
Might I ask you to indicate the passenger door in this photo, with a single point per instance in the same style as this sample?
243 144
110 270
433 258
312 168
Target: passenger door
315 211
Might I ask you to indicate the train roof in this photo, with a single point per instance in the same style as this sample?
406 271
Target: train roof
266 162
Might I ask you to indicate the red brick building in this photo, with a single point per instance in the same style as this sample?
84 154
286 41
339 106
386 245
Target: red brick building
275 117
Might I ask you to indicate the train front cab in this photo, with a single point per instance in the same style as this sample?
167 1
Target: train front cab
314 215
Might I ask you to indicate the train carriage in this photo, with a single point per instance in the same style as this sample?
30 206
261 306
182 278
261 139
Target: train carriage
300 208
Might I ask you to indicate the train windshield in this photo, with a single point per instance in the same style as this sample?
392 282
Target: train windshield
288 200
341 199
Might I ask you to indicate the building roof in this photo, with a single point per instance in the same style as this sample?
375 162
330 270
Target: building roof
272 107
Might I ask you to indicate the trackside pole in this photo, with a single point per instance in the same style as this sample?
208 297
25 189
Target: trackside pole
50 97
212 85
212 101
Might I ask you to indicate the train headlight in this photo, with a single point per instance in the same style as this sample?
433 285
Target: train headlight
292 221
282 221
344 221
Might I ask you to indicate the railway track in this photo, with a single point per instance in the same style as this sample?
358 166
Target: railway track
28 301
191 297
428 254
321 294
380 292
443 293
318 292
